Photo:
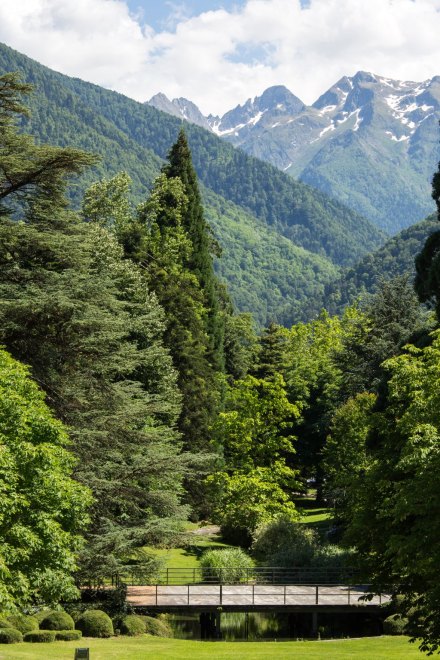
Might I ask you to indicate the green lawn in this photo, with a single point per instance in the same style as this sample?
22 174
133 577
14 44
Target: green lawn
314 515
188 556
126 648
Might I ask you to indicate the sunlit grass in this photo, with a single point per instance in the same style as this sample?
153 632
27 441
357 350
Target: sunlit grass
189 555
132 648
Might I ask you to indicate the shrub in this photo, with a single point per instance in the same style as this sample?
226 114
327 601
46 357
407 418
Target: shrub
330 558
228 565
283 542
42 614
5 623
58 621
156 627
10 636
132 625
39 636
395 625
68 635
95 623
23 622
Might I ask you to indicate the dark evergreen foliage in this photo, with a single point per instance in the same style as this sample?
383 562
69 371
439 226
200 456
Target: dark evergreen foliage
84 320
199 260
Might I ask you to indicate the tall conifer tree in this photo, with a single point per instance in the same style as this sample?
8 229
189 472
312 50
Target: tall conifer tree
200 260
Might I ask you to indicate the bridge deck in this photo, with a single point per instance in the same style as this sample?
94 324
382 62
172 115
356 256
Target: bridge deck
250 595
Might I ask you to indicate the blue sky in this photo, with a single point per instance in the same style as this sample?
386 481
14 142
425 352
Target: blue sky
164 13
220 53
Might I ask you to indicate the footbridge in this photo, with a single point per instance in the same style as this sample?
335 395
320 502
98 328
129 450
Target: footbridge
257 589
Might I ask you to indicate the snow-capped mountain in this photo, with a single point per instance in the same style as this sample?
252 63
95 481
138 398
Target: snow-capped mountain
267 110
369 141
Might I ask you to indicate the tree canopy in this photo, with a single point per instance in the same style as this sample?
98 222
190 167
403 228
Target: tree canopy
43 511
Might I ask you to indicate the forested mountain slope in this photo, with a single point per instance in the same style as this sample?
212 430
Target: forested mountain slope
394 258
304 236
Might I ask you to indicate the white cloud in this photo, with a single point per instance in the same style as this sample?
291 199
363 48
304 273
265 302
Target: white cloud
306 49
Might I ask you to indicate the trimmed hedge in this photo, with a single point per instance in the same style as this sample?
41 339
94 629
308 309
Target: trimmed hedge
95 623
10 636
156 627
40 636
395 625
68 635
131 625
23 622
58 621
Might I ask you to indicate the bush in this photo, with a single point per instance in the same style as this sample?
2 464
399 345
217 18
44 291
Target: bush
95 623
23 622
39 636
131 625
395 625
156 627
10 636
68 635
330 558
42 614
5 623
283 542
58 621
228 565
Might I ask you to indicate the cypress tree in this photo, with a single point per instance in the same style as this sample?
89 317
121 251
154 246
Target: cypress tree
199 261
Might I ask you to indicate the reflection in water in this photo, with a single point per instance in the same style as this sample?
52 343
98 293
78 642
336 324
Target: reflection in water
235 626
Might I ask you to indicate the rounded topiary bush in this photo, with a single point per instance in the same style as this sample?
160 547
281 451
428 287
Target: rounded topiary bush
42 614
395 625
39 636
68 635
10 636
23 622
95 623
228 565
131 625
58 621
156 627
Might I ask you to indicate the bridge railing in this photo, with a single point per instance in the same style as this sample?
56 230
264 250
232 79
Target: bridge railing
231 576
254 595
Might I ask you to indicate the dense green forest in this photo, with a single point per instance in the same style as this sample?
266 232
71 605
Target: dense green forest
281 239
394 258
135 397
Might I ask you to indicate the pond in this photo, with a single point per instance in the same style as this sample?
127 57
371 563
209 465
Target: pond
266 626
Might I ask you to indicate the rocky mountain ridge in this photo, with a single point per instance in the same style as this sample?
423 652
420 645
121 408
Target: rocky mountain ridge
369 141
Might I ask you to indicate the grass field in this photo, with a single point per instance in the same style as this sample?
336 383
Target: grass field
126 648
189 556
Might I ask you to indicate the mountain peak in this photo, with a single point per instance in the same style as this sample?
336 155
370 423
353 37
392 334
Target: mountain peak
181 107
276 102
